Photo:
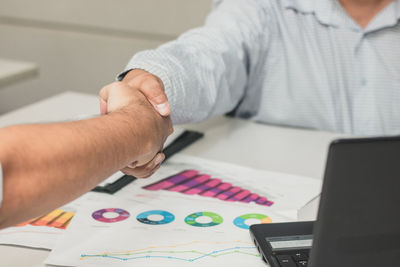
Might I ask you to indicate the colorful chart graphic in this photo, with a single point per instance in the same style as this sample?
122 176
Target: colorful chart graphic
144 217
99 215
241 220
57 218
191 182
215 219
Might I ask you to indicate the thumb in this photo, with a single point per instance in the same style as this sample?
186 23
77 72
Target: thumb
154 92
103 107
103 95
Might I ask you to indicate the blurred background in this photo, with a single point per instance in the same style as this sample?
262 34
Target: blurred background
81 45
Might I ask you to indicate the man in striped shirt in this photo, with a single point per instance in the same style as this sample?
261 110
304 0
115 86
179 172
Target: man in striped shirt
330 65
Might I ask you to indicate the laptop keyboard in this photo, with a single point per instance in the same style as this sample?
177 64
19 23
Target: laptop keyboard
298 259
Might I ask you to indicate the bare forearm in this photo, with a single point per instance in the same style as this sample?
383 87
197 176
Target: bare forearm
45 166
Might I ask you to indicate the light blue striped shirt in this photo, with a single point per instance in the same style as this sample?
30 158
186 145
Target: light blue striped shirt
302 63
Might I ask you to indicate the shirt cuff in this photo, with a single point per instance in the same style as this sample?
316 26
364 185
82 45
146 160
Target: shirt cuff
153 63
160 73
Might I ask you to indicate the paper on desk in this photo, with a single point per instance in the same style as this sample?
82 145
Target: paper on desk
286 191
39 235
309 212
91 242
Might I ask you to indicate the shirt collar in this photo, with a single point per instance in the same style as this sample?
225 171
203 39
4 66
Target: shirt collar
331 12
328 12
396 4
388 17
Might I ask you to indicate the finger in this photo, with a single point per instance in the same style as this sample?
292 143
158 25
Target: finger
147 169
103 107
170 127
154 92
151 164
157 159
155 169
103 94
132 165
134 173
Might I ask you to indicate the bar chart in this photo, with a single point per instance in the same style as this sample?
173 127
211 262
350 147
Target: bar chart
192 182
57 218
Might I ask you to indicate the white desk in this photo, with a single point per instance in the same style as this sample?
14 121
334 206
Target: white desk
237 141
13 71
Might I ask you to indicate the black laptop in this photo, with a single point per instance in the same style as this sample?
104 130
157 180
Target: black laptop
358 223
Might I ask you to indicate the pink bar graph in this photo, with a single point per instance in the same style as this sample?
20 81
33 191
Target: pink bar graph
191 182
251 198
227 194
241 195
269 203
172 181
216 190
204 187
261 200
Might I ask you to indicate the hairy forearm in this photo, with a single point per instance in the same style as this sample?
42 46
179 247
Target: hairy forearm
45 166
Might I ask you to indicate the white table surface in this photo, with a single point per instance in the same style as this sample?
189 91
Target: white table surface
13 71
297 151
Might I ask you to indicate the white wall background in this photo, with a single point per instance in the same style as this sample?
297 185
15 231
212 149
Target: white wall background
80 45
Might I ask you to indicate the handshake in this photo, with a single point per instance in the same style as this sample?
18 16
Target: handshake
141 95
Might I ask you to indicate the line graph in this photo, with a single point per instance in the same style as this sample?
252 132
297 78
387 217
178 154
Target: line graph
187 255
213 254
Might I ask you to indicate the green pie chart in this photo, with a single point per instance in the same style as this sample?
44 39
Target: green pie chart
192 219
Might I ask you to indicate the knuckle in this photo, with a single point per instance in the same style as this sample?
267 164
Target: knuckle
114 86
171 129
135 173
127 171
103 91
143 175
154 171
149 167
153 86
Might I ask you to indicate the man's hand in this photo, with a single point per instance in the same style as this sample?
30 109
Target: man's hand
119 96
151 86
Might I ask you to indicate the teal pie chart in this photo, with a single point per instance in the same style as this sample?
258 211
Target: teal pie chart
192 219
145 217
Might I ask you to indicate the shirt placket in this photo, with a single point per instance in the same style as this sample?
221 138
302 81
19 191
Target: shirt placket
364 106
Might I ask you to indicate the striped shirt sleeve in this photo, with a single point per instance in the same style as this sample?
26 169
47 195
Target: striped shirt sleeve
205 71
